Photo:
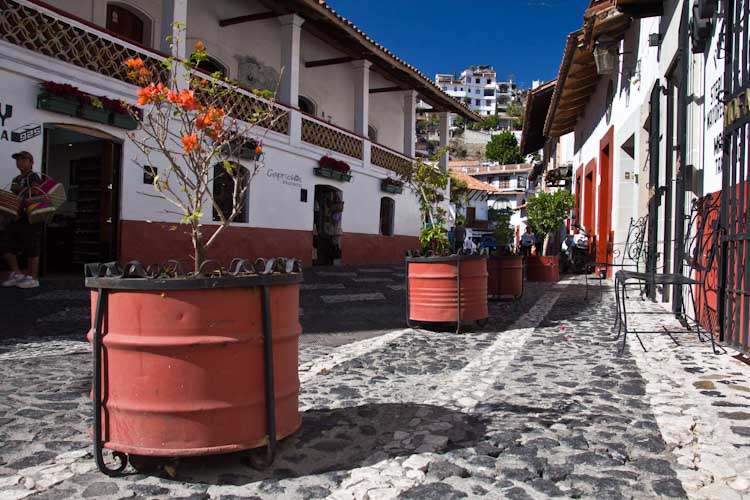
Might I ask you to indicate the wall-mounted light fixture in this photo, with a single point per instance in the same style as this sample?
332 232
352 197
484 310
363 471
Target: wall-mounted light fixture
654 39
606 57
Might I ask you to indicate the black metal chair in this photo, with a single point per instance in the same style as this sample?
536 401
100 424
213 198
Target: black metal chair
702 243
630 256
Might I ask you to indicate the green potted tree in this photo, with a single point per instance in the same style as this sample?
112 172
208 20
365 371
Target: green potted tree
546 214
200 361
505 270
441 288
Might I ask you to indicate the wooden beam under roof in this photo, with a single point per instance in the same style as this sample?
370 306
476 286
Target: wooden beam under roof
386 89
328 62
248 18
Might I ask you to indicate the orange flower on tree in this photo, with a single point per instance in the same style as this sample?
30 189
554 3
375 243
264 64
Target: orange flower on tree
151 93
199 47
190 143
137 70
259 149
185 99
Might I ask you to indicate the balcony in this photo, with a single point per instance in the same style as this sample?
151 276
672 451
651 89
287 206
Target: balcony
50 32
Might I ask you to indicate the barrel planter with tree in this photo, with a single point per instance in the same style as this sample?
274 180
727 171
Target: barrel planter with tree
505 271
200 361
441 288
546 214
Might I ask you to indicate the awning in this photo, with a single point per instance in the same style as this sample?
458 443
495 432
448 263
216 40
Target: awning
578 78
537 107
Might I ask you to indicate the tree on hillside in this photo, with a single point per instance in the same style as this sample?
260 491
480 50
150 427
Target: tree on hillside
503 148
515 110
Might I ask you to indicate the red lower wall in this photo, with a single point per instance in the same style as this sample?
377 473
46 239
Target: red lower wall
358 248
151 242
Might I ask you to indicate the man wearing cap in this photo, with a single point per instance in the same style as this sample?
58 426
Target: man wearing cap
21 236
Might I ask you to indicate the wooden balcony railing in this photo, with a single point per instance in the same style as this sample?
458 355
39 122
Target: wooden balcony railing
53 35
387 159
331 138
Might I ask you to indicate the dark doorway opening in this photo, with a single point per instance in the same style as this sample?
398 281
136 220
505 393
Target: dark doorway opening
85 228
328 212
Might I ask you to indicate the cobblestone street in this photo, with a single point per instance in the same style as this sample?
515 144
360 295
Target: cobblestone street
537 404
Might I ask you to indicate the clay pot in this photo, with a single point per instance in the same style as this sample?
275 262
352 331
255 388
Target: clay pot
183 367
447 289
542 268
505 277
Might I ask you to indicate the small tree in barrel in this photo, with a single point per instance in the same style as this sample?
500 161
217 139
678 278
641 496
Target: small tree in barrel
547 212
192 124
429 183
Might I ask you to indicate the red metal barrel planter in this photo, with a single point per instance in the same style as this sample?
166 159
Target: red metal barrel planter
505 277
542 268
184 370
447 289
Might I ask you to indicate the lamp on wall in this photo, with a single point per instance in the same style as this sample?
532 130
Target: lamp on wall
606 57
654 39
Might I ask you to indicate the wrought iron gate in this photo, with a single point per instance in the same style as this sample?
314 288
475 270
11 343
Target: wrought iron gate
734 305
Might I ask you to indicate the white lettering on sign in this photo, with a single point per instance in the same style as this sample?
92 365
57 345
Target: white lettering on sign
293 180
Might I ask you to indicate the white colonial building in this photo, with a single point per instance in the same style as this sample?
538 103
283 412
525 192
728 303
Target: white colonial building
339 94
478 87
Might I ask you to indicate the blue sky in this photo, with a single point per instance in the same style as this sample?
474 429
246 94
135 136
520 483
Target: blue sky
520 37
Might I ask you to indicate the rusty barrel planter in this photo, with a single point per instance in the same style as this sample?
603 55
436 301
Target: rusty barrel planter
449 289
542 268
193 366
505 277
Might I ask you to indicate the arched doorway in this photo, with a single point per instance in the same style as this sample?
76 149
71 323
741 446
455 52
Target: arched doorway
86 227
327 218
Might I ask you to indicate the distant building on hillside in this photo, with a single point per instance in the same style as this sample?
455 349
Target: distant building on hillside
478 87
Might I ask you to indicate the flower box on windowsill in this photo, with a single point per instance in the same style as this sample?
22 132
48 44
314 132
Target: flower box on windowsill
332 174
57 104
391 188
123 121
91 113
247 151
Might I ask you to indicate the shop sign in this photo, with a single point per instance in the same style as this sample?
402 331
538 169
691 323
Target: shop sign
18 134
737 109
294 180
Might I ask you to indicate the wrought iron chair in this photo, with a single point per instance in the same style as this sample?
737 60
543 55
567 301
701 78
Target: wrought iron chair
630 256
702 245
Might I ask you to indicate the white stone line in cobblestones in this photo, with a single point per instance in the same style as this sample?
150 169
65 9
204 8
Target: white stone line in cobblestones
308 371
46 348
33 480
713 462
389 477
469 386
354 297
397 287
321 286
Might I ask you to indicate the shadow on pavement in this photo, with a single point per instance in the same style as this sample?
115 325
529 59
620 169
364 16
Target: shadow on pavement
339 440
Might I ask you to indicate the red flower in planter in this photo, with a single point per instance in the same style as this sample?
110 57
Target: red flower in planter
392 182
334 164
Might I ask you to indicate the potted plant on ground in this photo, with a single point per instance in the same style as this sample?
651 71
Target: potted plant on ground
200 362
441 288
332 168
546 214
505 270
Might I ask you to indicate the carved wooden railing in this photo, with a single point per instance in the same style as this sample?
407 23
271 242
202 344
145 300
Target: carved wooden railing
387 159
53 35
331 138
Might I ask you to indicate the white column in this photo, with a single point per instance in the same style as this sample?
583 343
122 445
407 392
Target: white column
174 11
410 122
291 30
361 96
444 131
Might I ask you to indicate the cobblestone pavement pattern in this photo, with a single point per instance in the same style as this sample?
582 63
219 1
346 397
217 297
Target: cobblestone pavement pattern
536 405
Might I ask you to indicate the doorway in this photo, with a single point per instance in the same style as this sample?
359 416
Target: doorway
328 212
604 248
84 229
